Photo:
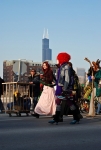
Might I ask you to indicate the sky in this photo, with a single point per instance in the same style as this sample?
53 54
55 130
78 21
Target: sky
74 27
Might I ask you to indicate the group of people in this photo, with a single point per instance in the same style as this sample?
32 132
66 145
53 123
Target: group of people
57 95
60 101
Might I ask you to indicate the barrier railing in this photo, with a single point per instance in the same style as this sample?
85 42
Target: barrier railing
16 98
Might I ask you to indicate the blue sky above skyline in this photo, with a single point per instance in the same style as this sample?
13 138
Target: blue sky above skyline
74 27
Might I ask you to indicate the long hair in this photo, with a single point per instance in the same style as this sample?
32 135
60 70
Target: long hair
48 67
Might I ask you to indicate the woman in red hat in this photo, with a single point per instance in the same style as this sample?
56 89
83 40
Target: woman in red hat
63 91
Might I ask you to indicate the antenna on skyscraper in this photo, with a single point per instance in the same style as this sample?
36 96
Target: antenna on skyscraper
44 33
47 35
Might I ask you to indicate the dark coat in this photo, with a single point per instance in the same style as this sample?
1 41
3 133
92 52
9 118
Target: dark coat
48 77
35 87
1 86
96 83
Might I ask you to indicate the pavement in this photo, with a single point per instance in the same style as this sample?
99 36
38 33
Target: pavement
29 133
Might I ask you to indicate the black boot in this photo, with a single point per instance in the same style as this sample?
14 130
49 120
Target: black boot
35 115
56 118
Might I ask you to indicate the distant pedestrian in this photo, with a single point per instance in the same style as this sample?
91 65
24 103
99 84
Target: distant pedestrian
1 93
34 90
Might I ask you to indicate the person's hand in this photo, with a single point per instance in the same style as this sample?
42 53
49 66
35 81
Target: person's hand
92 77
74 92
30 82
53 83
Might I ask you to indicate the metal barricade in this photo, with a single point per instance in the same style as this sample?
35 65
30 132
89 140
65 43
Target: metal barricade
16 98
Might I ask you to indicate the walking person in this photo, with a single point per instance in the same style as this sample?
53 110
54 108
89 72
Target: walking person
46 104
34 88
65 98
97 84
1 93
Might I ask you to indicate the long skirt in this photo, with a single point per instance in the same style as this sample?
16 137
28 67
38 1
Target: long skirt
46 104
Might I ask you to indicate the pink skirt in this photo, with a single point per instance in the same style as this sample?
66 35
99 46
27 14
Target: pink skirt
46 104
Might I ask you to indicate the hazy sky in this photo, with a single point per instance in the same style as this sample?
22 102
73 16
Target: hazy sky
74 26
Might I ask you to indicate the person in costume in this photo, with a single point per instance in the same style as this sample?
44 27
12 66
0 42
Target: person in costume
96 91
46 104
97 83
63 93
88 86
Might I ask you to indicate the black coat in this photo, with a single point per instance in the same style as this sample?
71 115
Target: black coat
1 86
35 87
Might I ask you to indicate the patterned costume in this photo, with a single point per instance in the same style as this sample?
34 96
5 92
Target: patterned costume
65 98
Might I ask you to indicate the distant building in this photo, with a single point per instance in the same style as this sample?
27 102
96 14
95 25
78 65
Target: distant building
81 74
19 70
46 51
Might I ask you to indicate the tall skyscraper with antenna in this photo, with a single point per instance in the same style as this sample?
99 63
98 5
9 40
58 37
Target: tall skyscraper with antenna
46 51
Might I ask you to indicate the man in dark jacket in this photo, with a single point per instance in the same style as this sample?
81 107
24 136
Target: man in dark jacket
1 92
34 81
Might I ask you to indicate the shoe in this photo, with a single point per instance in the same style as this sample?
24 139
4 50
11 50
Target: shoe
74 122
80 116
97 114
52 122
35 115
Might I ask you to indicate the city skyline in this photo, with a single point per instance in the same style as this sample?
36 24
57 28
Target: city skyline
19 70
74 27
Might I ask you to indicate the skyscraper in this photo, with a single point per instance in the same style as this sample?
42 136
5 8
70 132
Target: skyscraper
46 51
81 74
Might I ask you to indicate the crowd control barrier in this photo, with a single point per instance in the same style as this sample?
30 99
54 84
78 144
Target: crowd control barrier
16 98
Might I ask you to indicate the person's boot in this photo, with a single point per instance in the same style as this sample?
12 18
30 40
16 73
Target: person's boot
74 122
60 119
56 118
80 116
35 115
76 117
51 121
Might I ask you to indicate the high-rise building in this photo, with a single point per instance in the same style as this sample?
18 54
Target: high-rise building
49 54
46 51
81 74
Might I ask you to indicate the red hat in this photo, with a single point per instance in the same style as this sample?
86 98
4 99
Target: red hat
63 57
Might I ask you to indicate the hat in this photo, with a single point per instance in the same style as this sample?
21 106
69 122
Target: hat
63 57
